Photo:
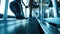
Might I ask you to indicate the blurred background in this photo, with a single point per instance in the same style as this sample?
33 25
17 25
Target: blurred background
29 16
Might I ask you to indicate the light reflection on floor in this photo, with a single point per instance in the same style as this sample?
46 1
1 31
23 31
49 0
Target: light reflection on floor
9 26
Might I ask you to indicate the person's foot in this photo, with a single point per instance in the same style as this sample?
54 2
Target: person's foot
30 17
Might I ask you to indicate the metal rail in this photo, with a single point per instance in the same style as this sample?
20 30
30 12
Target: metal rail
6 10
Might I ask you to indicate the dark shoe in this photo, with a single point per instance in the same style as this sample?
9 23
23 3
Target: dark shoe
30 16
20 17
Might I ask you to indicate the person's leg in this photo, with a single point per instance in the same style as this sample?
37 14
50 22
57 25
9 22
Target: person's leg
31 7
30 12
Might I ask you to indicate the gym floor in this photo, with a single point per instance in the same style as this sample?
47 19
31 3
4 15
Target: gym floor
26 26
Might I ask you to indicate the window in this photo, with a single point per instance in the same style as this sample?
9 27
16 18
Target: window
2 7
